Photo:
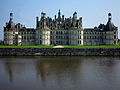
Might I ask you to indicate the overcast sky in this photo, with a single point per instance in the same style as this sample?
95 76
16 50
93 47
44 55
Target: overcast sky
93 12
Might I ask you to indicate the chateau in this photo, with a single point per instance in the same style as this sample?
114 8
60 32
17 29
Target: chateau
60 31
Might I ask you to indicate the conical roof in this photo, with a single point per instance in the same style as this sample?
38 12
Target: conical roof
109 25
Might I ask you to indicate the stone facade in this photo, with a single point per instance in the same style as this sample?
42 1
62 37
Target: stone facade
102 35
60 31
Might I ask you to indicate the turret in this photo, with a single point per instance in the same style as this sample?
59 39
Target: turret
55 17
74 19
62 18
109 16
37 24
11 16
11 24
75 15
43 17
80 22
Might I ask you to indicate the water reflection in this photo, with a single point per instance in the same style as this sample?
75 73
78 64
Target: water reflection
61 69
8 67
59 73
13 68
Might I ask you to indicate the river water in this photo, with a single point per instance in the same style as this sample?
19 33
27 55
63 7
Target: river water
60 73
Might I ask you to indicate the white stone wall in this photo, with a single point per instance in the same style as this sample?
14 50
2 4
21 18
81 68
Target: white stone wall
58 37
27 38
61 37
92 37
110 37
9 37
42 37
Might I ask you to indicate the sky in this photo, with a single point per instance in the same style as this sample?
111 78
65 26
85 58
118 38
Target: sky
93 12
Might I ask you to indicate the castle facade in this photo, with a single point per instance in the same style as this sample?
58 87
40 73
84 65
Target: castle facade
60 31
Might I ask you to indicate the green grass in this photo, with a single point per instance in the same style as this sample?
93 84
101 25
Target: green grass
91 46
66 46
3 46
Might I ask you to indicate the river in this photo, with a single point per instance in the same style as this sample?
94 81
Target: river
60 73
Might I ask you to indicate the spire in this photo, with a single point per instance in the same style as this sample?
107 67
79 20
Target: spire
59 17
59 14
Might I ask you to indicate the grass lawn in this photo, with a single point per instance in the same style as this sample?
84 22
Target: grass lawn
2 46
91 46
66 46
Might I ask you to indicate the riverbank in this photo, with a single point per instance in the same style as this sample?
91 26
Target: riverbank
59 51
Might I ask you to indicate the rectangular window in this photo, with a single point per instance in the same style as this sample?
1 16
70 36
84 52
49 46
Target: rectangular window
40 42
80 42
84 37
114 37
90 37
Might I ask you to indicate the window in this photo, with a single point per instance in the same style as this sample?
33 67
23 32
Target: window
40 37
79 42
84 37
51 37
51 42
95 37
40 42
114 37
